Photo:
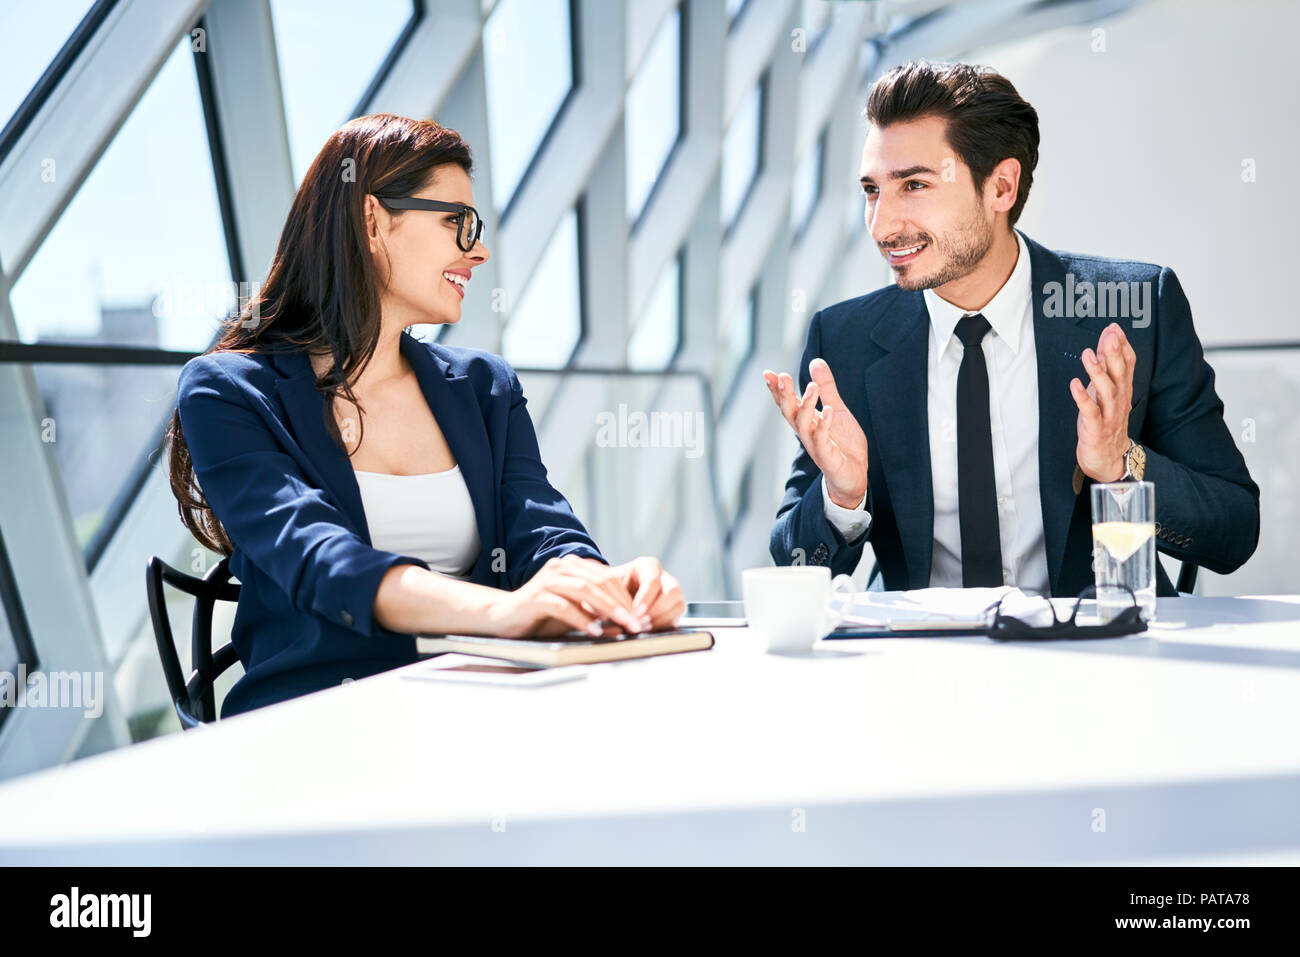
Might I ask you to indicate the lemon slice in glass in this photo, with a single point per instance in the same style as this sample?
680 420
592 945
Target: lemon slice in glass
1122 539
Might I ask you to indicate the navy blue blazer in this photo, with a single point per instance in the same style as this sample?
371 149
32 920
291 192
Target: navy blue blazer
289 501
1207 506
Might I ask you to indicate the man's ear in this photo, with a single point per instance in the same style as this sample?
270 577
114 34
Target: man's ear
1003 185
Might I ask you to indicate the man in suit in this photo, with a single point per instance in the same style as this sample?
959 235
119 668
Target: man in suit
957 418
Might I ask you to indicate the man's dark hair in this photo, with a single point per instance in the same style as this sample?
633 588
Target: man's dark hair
987 119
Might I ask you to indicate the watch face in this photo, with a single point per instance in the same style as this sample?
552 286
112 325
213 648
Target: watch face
1138 462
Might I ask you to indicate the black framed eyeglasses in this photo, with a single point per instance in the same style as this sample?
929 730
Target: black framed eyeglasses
1129 621
469 227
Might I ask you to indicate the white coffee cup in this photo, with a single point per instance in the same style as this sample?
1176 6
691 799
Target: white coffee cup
789 607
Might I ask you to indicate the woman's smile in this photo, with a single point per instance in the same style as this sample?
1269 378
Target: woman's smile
459 279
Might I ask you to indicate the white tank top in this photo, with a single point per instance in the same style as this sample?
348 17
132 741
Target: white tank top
427 516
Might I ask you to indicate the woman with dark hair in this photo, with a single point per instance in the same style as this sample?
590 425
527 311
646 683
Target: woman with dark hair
368 486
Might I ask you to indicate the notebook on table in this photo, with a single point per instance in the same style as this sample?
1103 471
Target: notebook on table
555 651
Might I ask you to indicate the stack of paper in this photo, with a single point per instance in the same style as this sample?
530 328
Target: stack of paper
944 608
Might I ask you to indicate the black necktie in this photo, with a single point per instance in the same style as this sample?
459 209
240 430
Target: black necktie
977 497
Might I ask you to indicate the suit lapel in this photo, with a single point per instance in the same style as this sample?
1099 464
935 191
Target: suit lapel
307 410
1058 343
454 405
897 398
452 401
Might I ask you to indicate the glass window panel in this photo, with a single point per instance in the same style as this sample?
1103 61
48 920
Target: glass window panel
740 155
855 213
653 119
137 258
139 255
102 419
816 17
807 186
546 326
739 501
8 651
794 328
655 339
868 55
34 33
528 63
577 487
739 343
329 51
734 7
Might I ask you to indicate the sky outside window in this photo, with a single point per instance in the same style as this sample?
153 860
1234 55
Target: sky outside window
653 118
528 64
329 51
33 35
544 328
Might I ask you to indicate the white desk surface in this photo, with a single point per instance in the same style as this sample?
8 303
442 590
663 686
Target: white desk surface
1178 746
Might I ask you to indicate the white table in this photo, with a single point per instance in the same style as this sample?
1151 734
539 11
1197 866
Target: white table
1179 746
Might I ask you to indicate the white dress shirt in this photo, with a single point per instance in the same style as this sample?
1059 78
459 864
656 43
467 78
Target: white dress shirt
1013 412
428 516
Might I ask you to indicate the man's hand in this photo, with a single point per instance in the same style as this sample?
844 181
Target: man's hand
1104 406
832 436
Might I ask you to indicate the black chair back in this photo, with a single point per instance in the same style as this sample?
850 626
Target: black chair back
193 698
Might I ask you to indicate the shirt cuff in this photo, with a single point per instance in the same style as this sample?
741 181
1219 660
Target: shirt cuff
852 523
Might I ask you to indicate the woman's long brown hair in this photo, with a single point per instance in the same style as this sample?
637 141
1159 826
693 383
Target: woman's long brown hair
322 292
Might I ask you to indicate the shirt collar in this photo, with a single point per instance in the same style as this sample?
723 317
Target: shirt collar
1005 311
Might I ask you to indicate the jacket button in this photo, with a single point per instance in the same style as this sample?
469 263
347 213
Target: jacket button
346 617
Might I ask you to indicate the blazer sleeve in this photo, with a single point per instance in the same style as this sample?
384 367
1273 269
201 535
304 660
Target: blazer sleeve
802 534
286 526
1207 505
539 523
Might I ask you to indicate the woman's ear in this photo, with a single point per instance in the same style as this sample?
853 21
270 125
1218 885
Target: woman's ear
373 212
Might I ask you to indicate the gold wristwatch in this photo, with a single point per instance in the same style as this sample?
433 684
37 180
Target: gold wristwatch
1135 467
1135 462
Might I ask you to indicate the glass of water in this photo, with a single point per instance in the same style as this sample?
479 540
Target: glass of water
1124 547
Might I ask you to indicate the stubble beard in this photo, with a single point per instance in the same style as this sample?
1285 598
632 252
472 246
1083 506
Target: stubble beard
962 250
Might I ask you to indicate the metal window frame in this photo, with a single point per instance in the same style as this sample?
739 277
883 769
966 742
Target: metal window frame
731 388
735 17
575 84
53 74
81 115
579 212
388 64
50 576
683 46
760 166
679 304
820 144
11 606
217 150
146 458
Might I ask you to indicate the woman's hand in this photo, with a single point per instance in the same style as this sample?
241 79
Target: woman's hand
654 592
569 592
